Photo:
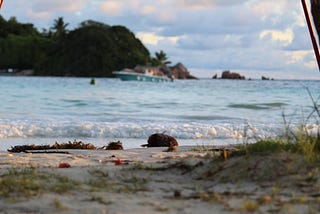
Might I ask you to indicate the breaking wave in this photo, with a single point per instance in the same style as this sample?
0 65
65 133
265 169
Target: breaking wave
140 130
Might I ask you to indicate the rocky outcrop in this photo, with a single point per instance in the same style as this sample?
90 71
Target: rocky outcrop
179 71
231 75
266 78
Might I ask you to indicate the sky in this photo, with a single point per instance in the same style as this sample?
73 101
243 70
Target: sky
252 37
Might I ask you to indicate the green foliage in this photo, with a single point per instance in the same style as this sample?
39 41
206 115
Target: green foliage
299 141
59 28
12 26
268 146
92 49
160 59
305 144
22 52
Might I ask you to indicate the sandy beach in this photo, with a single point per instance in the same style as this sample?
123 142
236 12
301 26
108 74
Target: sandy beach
191 180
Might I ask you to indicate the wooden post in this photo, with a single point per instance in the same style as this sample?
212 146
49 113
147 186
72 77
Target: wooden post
313 39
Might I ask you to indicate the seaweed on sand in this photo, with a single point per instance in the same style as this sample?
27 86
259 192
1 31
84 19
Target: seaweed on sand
70 145
113 146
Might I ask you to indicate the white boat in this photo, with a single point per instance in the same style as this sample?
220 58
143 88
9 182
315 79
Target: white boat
147 74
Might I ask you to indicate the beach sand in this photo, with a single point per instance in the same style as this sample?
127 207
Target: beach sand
191 180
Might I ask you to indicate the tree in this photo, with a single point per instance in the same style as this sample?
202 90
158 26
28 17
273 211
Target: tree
315 10
3 28
12 26
22 52
160 59
93 50
21 45
59 28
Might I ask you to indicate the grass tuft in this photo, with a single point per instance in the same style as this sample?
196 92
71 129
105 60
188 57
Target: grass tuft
28 182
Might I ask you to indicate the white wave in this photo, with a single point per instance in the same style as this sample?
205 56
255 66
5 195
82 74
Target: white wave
134 130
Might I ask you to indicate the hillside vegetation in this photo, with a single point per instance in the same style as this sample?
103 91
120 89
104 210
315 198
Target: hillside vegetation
92 49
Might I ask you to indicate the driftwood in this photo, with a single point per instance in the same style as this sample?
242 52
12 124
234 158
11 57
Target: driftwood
46 152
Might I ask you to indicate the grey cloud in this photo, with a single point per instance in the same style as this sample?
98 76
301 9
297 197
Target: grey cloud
301 40
219 21
207 3
205 42
54 6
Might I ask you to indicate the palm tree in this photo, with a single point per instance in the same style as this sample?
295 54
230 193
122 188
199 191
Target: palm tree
59 27
315 10
161 58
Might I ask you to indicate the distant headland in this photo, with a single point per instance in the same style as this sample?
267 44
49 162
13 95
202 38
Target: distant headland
93 49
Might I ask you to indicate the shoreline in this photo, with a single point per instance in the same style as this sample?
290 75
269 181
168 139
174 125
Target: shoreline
128 143
191 180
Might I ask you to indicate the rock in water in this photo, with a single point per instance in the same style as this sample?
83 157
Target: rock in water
231 75
161 140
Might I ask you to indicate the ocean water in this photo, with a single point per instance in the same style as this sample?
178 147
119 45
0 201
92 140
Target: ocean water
43 110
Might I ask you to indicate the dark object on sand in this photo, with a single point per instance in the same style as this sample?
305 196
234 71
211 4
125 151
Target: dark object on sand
70 145
172 148
161 140
73 145
24 148
113 146
64 165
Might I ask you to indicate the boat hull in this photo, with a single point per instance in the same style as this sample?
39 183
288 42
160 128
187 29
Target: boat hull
130 76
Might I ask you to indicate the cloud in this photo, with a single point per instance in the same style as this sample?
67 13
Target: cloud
206 4
153 39
39 15
247 35
112 8
210 42
284 38
55 6
301 39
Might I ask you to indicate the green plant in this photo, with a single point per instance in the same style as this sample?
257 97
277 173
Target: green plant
296 140
134 184
23 182
266 147
100 200
28 182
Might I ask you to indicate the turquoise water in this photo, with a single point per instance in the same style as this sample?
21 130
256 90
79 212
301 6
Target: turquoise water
48 109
